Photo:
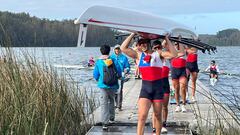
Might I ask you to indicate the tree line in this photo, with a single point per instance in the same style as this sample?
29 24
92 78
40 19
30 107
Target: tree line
228 37
23 30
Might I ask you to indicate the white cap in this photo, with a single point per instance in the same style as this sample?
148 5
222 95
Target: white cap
117 46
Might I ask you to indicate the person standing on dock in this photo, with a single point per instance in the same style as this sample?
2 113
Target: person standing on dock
192 68
179 77
165 85
125 68
150 66
139 51
107 72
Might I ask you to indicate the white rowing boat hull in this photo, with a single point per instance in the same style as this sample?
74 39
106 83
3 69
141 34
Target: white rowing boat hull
72 66
146 25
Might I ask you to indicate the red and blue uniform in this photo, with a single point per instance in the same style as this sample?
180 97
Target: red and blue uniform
150 67
192 64
178 69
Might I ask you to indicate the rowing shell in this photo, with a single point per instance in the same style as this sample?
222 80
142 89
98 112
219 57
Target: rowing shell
72 66
147 25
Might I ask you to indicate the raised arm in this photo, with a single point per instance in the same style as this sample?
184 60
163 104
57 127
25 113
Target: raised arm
181 52
191 50
171 51
217 69
129 51
207 69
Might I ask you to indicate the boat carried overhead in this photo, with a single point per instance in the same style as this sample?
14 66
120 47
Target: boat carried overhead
146 25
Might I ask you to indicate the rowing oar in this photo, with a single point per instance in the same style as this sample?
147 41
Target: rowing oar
221 73
197 44
201 46
213 48
189 44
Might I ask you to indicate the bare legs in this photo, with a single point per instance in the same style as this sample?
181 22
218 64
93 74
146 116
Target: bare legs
176 86
165 107
143 109
137 72
183 82
157 110
164 111
180 84
194 79
214 75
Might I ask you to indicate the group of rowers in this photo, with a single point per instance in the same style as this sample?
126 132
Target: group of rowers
154 61
154 66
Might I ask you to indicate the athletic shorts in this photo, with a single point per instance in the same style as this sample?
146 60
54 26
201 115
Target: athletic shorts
177 73
166 86
152 90
192 66
213 73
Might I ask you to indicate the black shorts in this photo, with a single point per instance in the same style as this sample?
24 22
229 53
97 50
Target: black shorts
177 73
166 86
192 66
152 90
213 72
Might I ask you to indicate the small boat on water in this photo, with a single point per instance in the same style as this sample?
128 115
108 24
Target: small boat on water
73 66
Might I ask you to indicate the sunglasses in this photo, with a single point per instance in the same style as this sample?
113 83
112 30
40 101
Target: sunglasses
157 47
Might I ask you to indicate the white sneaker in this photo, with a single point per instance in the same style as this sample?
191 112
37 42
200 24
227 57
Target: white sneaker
105 127
178 109
193 99
164 130
111 121
183 108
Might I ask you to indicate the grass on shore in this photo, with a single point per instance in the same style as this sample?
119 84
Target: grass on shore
36 100
221 118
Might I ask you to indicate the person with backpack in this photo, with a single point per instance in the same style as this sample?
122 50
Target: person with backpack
125 68
107 72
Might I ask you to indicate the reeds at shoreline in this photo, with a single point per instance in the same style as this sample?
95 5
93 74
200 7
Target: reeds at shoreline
221 118
35 99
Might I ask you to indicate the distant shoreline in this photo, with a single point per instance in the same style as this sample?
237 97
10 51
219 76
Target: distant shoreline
23 30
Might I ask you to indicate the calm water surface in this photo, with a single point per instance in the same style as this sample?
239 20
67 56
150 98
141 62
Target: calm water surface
227 59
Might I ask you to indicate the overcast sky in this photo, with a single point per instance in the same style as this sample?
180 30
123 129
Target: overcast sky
206 16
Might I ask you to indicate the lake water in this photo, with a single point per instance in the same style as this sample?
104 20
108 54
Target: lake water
227 59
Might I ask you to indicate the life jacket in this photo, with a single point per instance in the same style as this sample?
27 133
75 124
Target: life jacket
213 68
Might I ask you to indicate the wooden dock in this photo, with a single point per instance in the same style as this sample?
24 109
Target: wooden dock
178 122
